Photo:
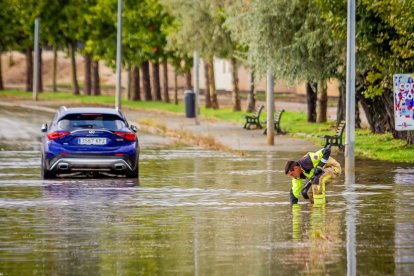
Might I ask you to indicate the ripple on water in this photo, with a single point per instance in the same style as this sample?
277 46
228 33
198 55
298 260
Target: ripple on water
182 154
207 203
252 172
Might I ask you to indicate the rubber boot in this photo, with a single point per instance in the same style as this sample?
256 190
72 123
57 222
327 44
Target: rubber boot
319 196
296 222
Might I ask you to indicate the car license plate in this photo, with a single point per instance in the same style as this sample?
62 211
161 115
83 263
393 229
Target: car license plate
92 141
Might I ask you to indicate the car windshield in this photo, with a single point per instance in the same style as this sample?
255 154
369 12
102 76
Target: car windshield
91 121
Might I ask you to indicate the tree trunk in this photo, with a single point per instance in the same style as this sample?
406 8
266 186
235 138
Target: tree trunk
311 96
207 90
96 87
375 121
129 80
156 80
379 112
40 77
387 98
135 85
251 98
357 114
11 59
29 70
235 93
175 87
214 102
146 81
340 112
75 85
166 96
188 83
322 97
1 74
54 69
87 84
410 137
341 109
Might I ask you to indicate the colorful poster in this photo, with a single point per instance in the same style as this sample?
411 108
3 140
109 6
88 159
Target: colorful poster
403 101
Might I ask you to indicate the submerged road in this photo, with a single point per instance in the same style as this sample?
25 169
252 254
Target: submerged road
197 212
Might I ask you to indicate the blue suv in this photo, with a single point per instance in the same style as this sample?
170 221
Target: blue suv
89 140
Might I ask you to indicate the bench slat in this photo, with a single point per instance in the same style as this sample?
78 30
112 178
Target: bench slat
336 140
253 119
277 117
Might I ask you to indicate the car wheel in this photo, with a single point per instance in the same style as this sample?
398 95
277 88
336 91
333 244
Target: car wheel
135 172
45 173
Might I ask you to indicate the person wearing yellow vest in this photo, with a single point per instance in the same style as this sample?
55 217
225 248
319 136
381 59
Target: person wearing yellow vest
319 168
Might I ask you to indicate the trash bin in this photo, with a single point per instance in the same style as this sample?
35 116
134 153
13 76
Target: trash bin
189 101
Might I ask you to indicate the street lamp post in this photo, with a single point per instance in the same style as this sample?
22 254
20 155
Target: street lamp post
350 142
118 57
270 108
36 61
197 85
350 91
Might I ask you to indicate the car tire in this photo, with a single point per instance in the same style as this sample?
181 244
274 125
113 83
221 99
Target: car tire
45 173
135 172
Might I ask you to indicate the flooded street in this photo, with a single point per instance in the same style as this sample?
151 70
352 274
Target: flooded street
197 212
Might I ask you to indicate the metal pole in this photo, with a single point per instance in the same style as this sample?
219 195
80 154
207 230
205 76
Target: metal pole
350 142
351 218
118 57
36 61
350 90
197 85
270 108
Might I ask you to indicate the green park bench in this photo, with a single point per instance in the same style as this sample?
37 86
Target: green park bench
254 119
336 139
277 118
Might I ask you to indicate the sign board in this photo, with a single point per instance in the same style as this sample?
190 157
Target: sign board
404 102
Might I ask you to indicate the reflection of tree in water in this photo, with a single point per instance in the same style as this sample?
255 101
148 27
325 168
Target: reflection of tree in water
404 217
316 233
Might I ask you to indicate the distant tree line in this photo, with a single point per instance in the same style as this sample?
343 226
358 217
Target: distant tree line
300 40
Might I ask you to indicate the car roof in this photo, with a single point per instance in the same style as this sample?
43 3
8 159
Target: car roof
63 111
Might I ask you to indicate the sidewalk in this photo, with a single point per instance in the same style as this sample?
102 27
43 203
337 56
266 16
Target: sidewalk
227 134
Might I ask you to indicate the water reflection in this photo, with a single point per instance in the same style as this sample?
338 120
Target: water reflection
351 214
404 213
71 189
403 176
316 234
202 212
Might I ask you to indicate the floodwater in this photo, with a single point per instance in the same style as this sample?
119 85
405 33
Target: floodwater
198 212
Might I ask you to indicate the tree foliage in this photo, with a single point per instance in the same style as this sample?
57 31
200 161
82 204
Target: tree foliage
290 37
384 40
301 40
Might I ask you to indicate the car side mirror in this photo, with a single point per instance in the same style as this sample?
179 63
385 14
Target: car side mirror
134 128
44 128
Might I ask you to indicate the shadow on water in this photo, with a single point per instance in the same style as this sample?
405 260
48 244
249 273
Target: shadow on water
203 212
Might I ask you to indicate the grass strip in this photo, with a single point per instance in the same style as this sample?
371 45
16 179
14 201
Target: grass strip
373 146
